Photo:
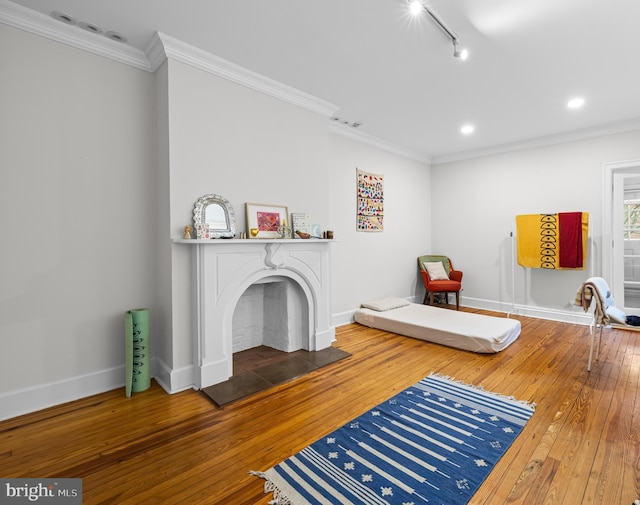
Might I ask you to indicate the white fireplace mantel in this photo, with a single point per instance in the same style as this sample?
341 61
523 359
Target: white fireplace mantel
225 268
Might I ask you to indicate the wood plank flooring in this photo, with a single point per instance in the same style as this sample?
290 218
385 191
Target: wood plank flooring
582 446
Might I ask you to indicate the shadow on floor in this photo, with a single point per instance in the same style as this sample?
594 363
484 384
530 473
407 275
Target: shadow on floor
282 367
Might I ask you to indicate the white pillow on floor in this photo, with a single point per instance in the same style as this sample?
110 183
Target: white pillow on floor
385 304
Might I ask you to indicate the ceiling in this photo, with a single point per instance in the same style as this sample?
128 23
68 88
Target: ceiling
397 75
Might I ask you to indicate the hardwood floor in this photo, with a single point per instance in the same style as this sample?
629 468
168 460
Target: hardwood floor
580 447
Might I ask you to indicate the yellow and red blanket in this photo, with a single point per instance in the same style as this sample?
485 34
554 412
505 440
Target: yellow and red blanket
552 241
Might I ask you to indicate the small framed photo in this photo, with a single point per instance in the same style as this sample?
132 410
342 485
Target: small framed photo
264 220
300 222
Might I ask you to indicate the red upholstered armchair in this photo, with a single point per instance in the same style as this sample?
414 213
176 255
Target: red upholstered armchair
442 278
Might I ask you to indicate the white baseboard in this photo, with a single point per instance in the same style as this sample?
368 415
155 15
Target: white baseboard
570 315
342 318
174 381
24 401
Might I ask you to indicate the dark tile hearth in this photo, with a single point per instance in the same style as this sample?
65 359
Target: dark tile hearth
261 368
284 370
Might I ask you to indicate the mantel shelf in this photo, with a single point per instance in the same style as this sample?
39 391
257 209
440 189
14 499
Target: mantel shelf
223 241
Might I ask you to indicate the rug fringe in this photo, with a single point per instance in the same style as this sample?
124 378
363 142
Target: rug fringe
279 498
531 405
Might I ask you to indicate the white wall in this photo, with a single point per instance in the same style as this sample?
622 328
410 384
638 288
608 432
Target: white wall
475 201
250 147
373 265
76 210
101 165
233 141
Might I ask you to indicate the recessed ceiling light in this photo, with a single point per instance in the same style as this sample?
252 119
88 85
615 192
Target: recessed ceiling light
575 103
467 129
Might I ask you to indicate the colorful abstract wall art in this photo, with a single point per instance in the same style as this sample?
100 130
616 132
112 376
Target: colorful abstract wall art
370 215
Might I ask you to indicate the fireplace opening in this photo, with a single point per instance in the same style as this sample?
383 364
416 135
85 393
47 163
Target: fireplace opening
272 314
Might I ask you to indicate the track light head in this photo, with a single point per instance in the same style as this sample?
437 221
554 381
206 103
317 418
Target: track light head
459 52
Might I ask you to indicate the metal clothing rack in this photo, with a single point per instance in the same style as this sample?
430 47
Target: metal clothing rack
513 234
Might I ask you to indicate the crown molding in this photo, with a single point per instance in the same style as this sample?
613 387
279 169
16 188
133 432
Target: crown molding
549 140
45 26
155 52
207 62
159 49
353 134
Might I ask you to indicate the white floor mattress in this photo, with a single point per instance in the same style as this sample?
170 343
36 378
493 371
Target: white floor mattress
462 330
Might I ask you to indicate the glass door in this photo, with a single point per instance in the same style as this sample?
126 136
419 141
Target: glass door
621 234
631 242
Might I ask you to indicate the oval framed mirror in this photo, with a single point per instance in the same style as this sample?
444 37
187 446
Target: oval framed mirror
217 212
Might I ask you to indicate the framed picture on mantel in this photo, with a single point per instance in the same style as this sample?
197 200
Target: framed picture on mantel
300 222
264 220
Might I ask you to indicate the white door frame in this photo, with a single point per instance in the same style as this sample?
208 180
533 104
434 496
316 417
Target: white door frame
613 271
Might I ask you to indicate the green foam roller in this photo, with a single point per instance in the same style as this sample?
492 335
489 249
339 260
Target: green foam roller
137 358
128 353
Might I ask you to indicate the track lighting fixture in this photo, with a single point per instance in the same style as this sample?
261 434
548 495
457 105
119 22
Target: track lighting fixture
417 7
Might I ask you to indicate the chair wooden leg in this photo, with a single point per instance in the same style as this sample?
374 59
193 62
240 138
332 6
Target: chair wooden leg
431 297
426 295
457 300
446 298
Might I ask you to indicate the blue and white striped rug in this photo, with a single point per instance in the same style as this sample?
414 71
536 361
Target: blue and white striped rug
435 442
